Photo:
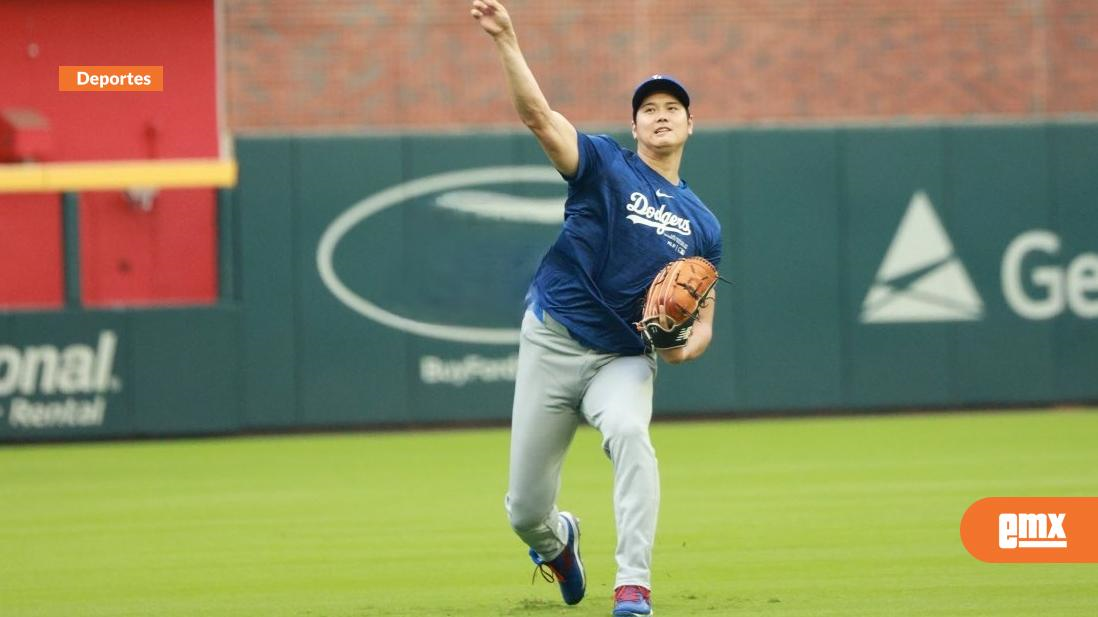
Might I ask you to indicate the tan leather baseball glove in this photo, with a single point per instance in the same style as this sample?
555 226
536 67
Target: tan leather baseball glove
674 298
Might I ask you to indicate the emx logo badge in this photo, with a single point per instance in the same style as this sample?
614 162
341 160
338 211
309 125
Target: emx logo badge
1032 529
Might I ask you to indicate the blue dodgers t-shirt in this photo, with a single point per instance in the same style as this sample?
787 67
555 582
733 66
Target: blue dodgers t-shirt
622 223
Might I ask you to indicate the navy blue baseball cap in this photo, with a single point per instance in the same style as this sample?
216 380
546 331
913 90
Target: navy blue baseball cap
660 83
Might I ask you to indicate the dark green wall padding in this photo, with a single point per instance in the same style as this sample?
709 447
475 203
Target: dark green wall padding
809 215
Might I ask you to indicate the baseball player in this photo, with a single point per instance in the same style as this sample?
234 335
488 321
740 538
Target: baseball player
581 357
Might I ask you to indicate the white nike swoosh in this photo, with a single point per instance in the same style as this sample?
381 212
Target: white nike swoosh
660 193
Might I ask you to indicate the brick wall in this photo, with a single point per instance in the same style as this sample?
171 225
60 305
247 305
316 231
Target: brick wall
323 64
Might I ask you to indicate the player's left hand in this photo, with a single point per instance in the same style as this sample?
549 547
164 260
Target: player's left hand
662 333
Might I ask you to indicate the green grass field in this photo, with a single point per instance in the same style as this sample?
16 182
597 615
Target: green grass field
795 517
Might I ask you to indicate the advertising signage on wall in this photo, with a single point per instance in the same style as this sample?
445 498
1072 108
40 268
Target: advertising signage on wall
922 279
49 385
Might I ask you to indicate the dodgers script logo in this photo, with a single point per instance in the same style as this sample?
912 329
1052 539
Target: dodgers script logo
661 219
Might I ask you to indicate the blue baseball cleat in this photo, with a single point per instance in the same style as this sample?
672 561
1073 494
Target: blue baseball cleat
632 601
566 568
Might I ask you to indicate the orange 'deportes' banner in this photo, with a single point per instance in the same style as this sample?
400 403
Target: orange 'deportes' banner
110 78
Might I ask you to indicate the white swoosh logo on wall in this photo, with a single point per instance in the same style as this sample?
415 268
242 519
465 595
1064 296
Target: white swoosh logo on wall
533 210
504 207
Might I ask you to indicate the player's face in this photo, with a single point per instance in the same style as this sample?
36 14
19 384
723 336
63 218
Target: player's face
662 122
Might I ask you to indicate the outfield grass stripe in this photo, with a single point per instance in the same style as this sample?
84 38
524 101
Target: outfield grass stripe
790 517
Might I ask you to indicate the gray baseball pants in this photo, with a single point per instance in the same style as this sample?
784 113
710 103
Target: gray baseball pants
560 383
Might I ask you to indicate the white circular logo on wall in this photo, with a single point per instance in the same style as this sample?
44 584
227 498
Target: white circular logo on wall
484 204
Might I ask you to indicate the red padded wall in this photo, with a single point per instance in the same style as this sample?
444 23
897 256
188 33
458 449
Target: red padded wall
129 256
30 251
166 255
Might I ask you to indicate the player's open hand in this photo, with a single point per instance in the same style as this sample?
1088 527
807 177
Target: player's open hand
491 16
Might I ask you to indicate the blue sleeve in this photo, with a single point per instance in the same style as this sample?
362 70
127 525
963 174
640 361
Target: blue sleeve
716 249
594 150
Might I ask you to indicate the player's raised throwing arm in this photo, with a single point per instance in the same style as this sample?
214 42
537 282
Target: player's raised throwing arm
555 133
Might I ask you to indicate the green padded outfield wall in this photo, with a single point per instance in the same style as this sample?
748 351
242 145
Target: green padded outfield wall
384 276
75 374
379 280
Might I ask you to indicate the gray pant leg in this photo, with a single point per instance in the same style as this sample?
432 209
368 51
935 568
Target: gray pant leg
544 419
618 402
